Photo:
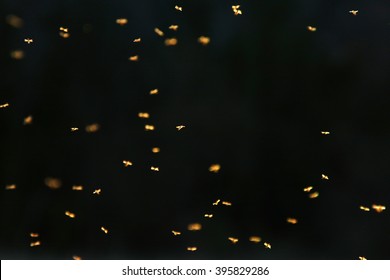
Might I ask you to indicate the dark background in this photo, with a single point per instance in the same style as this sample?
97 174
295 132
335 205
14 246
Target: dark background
254 100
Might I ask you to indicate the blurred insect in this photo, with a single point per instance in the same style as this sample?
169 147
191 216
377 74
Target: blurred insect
77 188
10 187
28 120
121 21
171 42
292 221
36 243
255 239
194 227
154 91
314 195
378 208
91 128
215 168
158 32
204 40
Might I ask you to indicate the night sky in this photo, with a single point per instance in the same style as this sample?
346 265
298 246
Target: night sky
254 100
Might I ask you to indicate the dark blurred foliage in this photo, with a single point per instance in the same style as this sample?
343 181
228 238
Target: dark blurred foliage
254 100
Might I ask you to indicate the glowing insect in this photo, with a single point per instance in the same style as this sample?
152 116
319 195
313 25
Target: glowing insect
104 230
149 127
173 27
154 168
127 163
70 214
236 10
97 191
28 40
233 240
192 249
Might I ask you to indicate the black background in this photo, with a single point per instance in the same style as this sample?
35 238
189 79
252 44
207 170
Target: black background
254 100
